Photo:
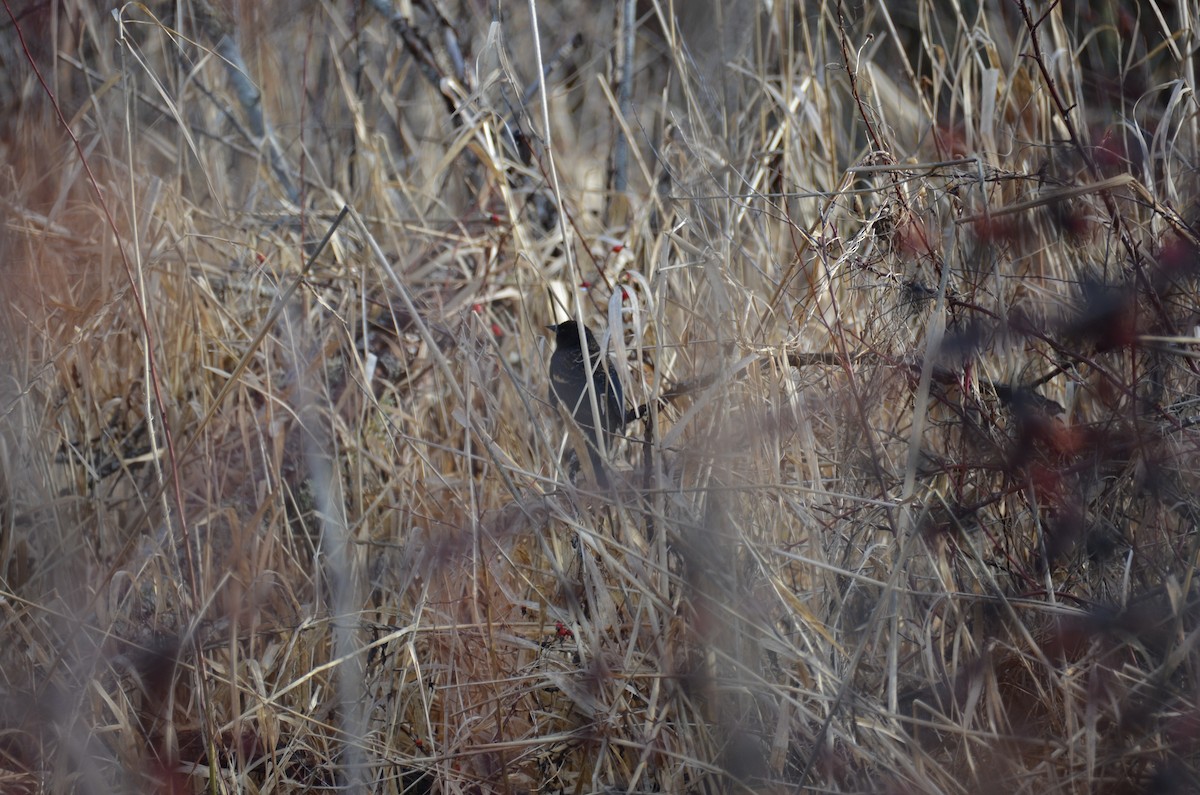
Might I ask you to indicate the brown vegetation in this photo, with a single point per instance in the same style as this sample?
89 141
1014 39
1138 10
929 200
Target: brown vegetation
904 296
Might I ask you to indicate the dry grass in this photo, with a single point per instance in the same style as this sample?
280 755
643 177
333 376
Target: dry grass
909 295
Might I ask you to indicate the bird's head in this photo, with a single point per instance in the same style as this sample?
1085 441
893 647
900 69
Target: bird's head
566 334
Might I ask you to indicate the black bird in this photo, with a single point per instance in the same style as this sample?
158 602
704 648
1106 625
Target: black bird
569 374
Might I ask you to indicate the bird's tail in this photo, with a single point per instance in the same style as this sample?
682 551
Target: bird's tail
598 467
